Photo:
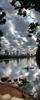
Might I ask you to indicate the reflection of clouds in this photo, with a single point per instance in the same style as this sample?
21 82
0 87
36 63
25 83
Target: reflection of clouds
33 90
37 72
17 68
14 69
7 71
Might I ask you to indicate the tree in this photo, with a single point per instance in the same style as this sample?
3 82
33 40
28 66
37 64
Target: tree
37 5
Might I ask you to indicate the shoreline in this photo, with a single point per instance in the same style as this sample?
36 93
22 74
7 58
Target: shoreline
16 56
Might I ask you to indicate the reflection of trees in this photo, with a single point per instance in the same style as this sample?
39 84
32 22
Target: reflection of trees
1 61
17 61
6 61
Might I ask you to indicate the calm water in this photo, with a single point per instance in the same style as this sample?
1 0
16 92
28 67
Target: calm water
16 68
15 38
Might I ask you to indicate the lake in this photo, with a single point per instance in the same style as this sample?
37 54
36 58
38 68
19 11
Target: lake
15 38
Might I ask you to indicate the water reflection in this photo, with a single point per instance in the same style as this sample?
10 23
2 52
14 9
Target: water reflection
16 68
6 61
